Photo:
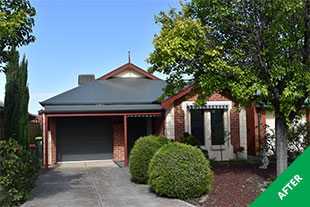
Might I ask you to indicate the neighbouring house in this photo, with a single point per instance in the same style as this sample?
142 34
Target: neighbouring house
263 118
102 118
1 120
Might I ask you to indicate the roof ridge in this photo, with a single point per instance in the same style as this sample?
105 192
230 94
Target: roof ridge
128 66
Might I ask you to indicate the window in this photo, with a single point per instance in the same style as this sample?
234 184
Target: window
197 125
217 127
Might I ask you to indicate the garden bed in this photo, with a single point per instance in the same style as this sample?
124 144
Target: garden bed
236 184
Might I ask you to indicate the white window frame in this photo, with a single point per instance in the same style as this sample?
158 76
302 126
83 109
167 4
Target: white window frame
207 123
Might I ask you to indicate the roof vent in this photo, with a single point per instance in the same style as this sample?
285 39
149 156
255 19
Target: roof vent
86 78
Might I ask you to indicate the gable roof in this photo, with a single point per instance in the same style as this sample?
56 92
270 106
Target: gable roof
128 66
167 103
111 91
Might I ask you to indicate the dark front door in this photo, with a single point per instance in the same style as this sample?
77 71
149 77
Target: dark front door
84 138
136 128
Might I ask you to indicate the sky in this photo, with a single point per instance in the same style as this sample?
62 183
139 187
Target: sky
86 37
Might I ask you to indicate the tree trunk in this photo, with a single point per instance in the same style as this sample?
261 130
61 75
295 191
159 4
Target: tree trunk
281 144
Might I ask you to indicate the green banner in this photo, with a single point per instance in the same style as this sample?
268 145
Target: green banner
291 188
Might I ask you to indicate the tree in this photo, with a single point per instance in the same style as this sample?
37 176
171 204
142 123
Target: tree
16 118
254 50
16 22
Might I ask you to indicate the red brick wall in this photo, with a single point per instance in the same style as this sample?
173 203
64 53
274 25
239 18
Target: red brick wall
179 118
118 139
234 128
53 141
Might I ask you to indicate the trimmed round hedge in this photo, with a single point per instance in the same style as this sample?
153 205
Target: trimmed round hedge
180 171
141 155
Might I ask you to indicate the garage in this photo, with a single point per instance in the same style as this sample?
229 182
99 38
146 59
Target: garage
84 138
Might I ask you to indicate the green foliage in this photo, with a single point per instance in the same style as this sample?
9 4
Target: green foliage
17 20
298 139
141 155
269 182
189 139
205 153
179 171
16 118
217 48
18 173
254 51
213 161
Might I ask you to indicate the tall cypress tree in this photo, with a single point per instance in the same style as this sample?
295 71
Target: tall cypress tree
16 118
24 134
11 100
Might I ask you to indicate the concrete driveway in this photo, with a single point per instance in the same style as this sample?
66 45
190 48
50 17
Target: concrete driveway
93 184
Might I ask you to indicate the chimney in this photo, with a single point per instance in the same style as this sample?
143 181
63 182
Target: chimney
86 78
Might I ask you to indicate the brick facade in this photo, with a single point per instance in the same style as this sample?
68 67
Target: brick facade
234 128
118 139
179 118
234 120
52 122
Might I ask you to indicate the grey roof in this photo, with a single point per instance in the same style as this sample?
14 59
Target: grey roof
101 108
111 91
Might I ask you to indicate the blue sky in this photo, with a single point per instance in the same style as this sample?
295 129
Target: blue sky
86 37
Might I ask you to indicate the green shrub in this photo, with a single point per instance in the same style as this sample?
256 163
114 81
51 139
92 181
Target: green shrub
205 152
213 161
189 139
269 182
141 155
18 173
179 171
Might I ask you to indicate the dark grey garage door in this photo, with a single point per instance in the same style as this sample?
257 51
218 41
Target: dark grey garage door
84 138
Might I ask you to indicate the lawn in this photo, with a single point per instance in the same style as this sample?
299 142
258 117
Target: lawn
236 184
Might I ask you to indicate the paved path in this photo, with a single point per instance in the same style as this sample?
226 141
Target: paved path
96 185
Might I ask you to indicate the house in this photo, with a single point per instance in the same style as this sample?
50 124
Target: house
101 118
1 120
261 120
